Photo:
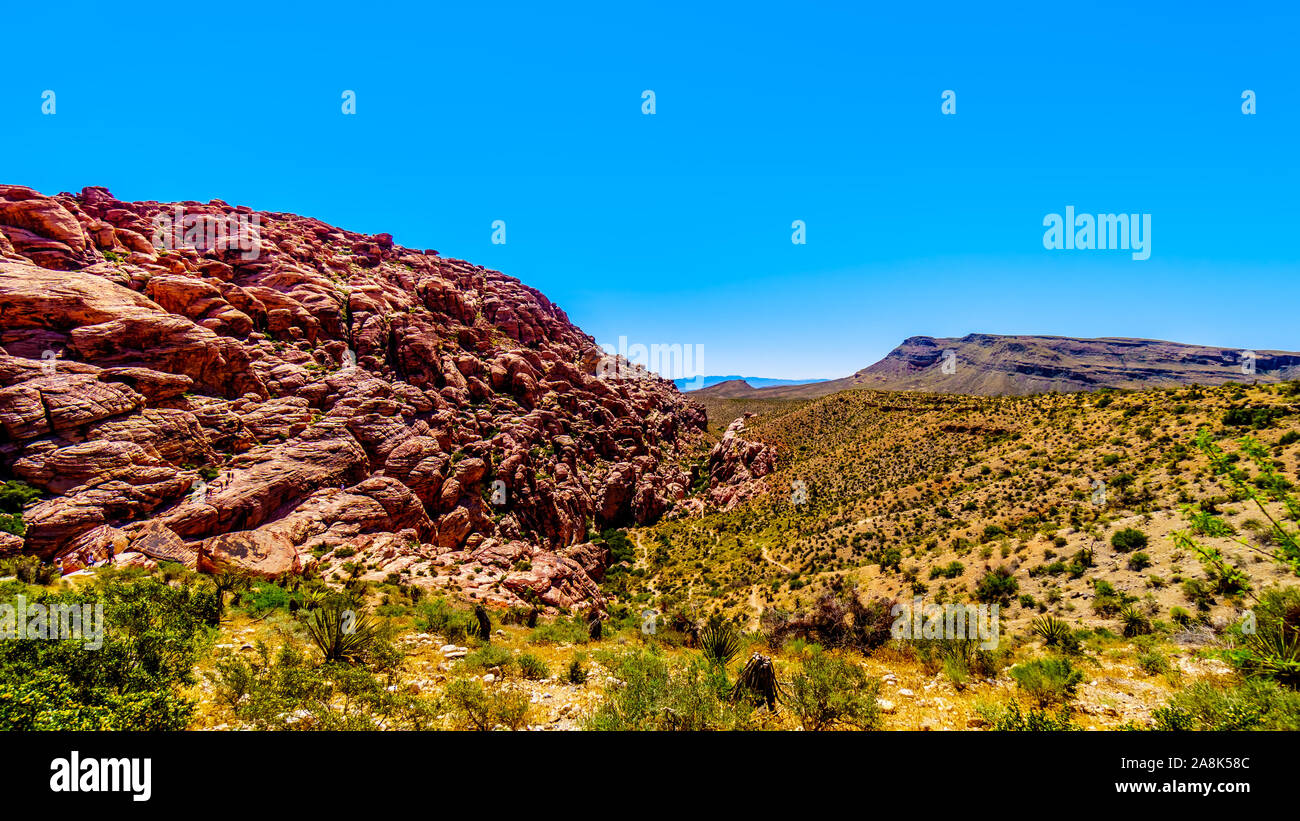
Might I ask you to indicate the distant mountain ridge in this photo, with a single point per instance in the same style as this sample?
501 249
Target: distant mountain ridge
697 382
991 364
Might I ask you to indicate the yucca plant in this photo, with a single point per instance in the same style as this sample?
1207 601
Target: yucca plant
720 643
340 633
1053 631
229 580
1134 621
1273 654
757 681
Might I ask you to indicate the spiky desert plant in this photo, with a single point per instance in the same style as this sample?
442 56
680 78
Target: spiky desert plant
757 681
1273 654
484 623
1135 622
340 633
229 580
720 643
314 597
1053 631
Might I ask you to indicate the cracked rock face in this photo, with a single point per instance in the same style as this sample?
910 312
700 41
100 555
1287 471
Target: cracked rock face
328 391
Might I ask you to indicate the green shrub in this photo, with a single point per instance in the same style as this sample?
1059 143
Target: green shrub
263 597
1054 632
13 523
949 571
1153 663
288 691
29 570
998 585
487 657
1255 704
437 615
152 637
1139 561
15 495
1272 650
561 630
1011 719
533 667
830 691
341 633
720 643
1128 539
1135 621
477 708
655 696
1048 681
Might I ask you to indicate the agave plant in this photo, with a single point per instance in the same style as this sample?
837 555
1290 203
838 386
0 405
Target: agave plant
1053 631
720 643
757 680
340 633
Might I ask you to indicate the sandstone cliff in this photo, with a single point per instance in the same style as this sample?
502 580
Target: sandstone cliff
178 392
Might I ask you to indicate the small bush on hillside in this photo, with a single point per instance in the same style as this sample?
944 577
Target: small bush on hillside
1128 539
437 615
532 667
1011 719
1255 704
577 672
487 657
998 585
1048 681
1134 621
830 691
835 620
657 696
475 707
1272 651
561 630
720 643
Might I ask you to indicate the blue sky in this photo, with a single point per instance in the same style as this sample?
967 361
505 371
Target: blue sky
675 228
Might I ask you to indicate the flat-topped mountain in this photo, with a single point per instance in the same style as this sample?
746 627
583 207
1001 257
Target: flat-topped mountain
990 364
700 382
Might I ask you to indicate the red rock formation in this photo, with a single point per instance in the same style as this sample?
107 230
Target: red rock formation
736 465
338 391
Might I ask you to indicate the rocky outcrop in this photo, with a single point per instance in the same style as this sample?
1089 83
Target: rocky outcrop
735 466
180 390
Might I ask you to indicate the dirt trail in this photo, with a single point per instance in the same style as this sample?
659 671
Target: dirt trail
768 558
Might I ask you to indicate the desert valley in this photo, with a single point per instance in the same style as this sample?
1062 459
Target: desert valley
315 480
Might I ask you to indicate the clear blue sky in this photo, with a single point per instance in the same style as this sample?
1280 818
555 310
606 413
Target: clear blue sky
675 228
